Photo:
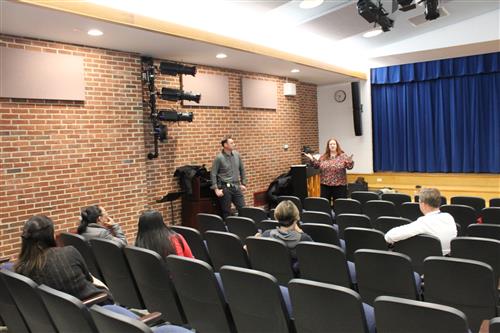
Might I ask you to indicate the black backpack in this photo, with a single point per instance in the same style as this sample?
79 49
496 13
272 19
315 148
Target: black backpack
282 185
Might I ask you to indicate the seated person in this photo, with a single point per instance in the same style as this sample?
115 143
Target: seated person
61 268
154 234
288 231
435 223
96 223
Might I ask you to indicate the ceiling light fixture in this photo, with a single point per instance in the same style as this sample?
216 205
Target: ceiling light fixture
221 56
308 4
295 70
372 33
95 32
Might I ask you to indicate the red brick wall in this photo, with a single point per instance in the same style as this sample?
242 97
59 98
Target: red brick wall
58 156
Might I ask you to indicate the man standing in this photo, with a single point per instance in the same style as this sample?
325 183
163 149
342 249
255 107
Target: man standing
228 177
435 223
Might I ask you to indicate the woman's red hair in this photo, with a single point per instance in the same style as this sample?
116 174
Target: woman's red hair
328 153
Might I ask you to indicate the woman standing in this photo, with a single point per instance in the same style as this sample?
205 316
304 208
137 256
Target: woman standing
155 235
333 164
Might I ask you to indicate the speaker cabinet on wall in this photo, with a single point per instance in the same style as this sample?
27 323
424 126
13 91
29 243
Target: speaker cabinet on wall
357 108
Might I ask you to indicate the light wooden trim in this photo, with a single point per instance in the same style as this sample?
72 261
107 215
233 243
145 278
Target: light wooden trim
83 8
486 186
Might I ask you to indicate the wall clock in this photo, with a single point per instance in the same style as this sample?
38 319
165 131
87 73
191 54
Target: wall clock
340 96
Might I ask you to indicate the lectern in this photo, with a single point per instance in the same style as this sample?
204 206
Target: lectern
305 181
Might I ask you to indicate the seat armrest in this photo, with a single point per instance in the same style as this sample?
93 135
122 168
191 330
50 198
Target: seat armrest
98 298
151 318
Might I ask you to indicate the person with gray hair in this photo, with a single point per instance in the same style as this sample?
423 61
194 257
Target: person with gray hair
434 222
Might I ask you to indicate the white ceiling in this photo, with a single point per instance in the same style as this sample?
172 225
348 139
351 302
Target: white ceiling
335 21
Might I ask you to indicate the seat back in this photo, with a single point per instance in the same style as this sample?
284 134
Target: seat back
268 225
317 204
364 196
195 241
109 321
491 215
476 203
82 246
494 325
68 313
321 233
9 312
323 307
480 249
394 314
484 231
345 221
361 238
467 285
242 227
316 217
494 202
257 214
293 199
384 273
463 215
418 248
152 277
116 271
410 210
376 208
271 256
24 292
397 199
386 223
346 206
255 301
208 222
226 249
323 263
200 295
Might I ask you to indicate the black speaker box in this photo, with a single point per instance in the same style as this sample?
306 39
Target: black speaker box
357 108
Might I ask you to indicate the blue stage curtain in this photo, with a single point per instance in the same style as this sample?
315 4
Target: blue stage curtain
438 116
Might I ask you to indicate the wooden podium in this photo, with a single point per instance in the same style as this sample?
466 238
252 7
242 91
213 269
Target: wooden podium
305 181
202 200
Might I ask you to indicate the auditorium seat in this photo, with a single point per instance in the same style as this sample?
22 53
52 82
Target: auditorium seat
494 202
385 273
399 315
153 281
318 205
418 248
476 203
257 214
410 210
376 208
226 249
386 223
200 294
364 196
324 307
463 215
491 215
268 225
9 311
494 326
256 301
195 241
345 221
397 199
346 206
361 238
293 199
242 227
79 243
322 233
271 256
316 217
325 263
210 222
484 231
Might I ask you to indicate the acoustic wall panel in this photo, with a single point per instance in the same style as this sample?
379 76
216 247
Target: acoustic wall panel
214 89
38 75
259 94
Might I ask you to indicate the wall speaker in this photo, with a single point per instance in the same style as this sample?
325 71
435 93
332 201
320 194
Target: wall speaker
289 89
357 108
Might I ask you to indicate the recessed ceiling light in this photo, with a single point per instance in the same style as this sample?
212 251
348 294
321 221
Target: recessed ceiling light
221 55
95 32
372 33
295 70
308 4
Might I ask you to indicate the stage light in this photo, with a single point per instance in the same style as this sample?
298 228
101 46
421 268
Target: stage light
171 94
431 10
173 115
375 13
173 68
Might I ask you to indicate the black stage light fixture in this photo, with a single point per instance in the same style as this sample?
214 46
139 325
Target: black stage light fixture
171 94
173 115
375 12
160 131
174 68
431 10
406 5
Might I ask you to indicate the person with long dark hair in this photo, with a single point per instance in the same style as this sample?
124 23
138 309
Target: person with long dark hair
333 164
96 223
155 235
63 268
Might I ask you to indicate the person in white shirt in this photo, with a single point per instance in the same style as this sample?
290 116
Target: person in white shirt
434 222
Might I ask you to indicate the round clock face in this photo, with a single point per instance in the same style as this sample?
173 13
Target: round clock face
340 96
